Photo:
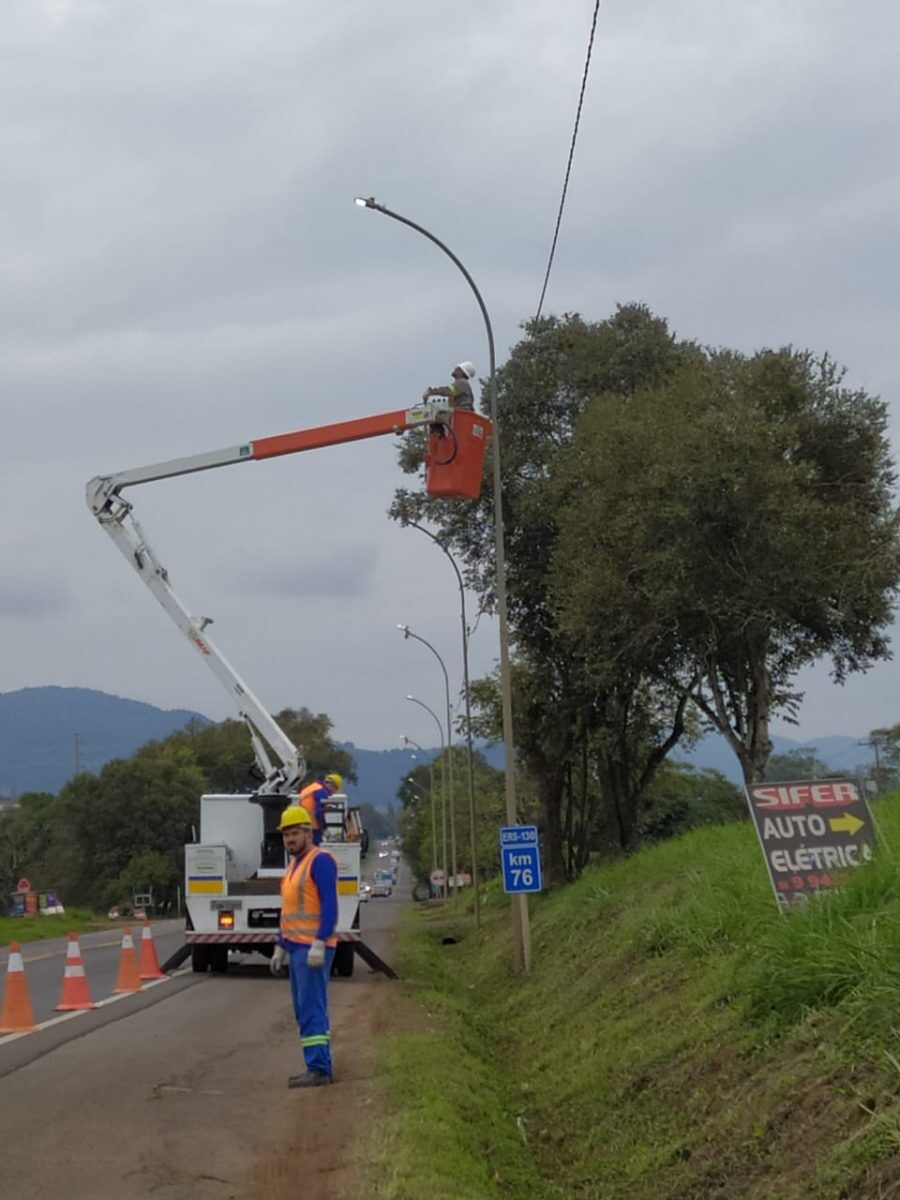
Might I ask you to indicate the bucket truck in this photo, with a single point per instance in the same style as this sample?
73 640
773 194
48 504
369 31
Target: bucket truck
232 875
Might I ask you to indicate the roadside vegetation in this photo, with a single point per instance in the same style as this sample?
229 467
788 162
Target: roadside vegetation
687 527
677 1038
38 929
123 830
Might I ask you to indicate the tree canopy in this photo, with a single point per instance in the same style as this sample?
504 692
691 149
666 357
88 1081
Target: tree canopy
124 829
685 529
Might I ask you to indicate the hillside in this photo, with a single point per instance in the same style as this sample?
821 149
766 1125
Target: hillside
381 771
837 751
39 727
676 1039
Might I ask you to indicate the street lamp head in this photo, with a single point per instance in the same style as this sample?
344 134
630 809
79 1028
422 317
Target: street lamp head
405 629
365 201
411 698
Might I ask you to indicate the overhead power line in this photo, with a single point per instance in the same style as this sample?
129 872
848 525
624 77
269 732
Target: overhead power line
562 200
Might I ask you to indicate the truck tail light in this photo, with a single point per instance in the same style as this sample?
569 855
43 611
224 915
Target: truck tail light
226 919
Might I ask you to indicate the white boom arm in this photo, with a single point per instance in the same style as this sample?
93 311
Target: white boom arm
115 516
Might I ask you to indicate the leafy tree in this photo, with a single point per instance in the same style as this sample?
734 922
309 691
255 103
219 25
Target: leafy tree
377 824
416 823
886 744
681 798
796 764
542 389
225 755
737 521
25 837
132 808
150 871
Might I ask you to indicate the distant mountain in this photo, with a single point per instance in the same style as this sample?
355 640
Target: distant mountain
380 774
837 752
381 771
39 726
44 729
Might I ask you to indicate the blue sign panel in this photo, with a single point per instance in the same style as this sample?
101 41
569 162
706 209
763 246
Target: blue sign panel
520 857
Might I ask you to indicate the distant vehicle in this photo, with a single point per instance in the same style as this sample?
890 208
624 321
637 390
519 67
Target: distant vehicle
381 889
365 890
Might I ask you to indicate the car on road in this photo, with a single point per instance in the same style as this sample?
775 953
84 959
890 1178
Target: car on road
381 889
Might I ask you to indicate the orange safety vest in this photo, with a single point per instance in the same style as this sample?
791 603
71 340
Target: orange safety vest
301 909
307 800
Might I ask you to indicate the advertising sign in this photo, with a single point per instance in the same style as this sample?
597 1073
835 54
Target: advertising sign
812 833
520 857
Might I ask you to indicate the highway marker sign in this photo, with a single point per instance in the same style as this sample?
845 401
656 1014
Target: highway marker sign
520 857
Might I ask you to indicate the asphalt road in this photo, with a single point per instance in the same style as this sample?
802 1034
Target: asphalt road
44 962
179 1091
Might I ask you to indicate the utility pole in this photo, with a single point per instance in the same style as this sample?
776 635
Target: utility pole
875 745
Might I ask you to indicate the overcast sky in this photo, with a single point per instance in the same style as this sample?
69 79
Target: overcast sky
183 269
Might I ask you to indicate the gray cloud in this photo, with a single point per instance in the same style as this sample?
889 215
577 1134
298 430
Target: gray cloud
183 269
31 601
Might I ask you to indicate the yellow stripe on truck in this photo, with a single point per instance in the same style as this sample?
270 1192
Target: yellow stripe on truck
198 887
348 887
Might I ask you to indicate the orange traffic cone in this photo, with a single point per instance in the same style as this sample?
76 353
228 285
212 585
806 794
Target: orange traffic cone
129 978
17 1015
75 992
149 961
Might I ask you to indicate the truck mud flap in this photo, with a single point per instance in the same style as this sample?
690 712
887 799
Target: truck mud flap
371 959
175 961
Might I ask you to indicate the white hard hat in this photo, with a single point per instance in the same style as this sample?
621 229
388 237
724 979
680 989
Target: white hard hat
467 368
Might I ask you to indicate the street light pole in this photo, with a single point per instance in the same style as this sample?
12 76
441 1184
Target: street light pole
521 933
408 633
469 755
437 722
434 841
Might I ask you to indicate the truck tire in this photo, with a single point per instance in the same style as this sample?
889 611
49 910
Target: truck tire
218 959
343 960
199 959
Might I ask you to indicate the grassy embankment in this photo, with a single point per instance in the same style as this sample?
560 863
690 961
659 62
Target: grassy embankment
36 929
677 1038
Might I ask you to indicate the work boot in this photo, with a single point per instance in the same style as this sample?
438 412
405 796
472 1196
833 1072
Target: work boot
310 1079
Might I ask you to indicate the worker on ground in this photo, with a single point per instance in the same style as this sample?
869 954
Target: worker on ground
459 393
312 798
309 909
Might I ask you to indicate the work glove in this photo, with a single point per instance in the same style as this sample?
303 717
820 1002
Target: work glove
276 962
316 955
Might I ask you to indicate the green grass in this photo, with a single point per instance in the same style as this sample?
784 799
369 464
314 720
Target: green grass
35 929
677 1039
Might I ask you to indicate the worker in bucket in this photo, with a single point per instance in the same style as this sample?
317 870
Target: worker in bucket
459 392
309 909
312 798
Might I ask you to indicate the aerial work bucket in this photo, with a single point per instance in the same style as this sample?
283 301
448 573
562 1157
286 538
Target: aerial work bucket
455 458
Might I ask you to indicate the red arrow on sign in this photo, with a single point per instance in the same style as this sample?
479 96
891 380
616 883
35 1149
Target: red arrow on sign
23 886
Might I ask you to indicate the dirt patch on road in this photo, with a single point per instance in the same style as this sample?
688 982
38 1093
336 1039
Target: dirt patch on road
321 1130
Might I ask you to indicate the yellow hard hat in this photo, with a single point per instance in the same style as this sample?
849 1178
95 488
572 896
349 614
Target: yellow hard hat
336 780
295 814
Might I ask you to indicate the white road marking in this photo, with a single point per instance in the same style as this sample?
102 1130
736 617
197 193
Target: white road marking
13 1037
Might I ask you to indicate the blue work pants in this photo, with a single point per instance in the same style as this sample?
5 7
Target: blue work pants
309 992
